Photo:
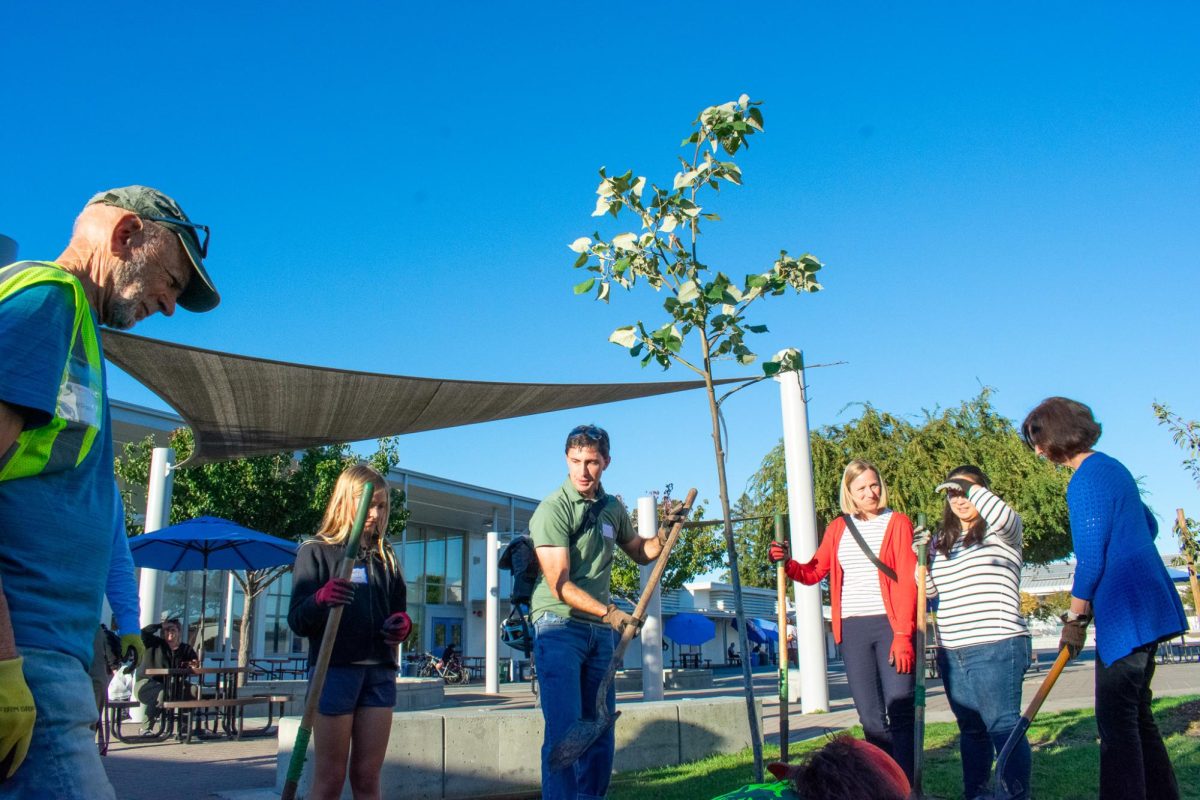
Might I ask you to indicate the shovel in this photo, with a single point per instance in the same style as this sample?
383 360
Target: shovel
300 749
584 732
1003 791
781 612
919 687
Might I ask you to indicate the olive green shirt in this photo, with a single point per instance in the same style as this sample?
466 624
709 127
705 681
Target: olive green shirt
554 524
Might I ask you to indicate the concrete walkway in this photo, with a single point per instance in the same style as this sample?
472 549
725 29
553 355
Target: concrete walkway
227 770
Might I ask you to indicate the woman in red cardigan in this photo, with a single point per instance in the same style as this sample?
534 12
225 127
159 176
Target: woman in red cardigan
874 599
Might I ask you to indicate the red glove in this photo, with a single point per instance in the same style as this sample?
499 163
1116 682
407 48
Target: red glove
396 628
336 592
778 552
902 655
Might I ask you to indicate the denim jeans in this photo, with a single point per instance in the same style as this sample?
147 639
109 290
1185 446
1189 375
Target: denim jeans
572 658
983 685
882 696
1133 759
63 761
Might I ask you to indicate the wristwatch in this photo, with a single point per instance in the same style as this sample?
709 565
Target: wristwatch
1071 616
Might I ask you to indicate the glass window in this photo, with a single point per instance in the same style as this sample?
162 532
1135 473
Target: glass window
413 562
454 568
435 567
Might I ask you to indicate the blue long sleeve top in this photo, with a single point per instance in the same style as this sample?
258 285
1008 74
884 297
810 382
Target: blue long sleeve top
1118 569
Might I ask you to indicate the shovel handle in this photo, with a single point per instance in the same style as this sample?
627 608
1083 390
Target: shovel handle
345 570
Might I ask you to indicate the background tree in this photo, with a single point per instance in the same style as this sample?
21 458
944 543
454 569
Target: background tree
914 457
699 550
281 494
663 253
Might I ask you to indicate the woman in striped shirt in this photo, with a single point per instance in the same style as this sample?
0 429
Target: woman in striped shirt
975 576
874 603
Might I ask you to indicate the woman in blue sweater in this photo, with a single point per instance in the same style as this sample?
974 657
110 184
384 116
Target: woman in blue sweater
1121 582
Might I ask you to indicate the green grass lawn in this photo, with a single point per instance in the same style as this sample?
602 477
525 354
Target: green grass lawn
1066 760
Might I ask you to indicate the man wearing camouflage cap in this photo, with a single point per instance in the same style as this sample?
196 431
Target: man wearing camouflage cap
133 253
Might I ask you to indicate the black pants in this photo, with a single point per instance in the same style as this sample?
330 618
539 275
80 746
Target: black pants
883 697
1133 759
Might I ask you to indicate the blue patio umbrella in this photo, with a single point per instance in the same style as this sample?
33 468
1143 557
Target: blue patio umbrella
208 543
690 628
758 630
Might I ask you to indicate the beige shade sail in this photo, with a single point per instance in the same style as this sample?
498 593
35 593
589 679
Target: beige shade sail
239 406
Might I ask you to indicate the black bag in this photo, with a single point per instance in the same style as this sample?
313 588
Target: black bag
882 567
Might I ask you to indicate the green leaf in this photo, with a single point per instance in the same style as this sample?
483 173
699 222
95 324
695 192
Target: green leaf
586 286
583 259
624 336
770 367
688 291
757 328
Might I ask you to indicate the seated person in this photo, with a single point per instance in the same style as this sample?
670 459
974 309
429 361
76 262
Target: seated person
731 654
449 657
844 769
168 651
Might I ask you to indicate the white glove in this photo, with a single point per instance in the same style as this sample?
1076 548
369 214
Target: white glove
921 538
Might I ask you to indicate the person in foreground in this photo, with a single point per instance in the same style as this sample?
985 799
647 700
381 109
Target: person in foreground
1120 581
574 619
844 769
975 577
354 718
132 253
873 594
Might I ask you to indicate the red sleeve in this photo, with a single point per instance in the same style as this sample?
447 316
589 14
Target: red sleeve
904 591
822 561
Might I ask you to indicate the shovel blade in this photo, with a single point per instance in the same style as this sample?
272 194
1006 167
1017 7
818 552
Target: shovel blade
581 735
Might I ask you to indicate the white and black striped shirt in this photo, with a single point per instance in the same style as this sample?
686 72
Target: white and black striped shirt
861 596
979 587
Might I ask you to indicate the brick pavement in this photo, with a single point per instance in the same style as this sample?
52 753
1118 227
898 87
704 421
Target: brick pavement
218 769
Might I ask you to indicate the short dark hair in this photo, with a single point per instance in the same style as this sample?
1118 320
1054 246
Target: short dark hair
175 622
1061 427
846 769
588 436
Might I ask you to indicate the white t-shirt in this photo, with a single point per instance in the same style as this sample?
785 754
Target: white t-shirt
861 595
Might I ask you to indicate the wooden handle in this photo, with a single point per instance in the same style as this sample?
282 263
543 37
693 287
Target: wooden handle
345 570
1064 656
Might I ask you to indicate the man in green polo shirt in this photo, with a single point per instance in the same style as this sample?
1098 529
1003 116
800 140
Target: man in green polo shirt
575 621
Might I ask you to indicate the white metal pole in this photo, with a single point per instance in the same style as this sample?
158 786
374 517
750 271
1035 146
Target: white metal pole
652 660
158 512
228 627
492 635
802 517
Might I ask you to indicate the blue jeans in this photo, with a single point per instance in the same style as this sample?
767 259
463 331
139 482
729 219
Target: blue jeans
571 658
63 760
983 685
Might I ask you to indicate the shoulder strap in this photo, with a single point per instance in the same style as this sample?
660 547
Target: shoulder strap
882 567
590 516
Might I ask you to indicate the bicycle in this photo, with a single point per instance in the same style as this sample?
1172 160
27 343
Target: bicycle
452 672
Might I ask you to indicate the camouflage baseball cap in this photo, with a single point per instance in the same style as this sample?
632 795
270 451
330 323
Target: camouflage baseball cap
151 204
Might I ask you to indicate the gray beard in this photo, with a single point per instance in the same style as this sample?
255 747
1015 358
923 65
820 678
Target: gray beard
133 273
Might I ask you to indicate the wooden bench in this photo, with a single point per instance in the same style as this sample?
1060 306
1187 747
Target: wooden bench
227 707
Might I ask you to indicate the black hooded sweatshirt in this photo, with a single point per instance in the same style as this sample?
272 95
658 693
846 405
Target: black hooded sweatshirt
360 636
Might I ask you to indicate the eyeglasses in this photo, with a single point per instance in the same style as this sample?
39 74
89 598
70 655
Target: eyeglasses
590 431
185 224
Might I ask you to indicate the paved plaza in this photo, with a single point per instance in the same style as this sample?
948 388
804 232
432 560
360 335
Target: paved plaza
245 770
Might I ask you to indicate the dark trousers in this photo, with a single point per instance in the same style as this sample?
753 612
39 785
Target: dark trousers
1133 759
883 697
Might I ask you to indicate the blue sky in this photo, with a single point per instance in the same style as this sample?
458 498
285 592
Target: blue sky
1003 195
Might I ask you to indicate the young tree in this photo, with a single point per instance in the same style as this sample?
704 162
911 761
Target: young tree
913 458
278 494
663 252
1186 434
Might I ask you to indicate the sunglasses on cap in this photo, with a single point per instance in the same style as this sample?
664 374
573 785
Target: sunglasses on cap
186 224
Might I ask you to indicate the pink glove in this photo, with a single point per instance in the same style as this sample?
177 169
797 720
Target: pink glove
396 628
336 592
902 654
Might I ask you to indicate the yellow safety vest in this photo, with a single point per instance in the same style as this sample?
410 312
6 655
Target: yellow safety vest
65 441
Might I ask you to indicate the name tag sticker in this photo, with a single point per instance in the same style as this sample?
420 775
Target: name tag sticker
608 530
359 575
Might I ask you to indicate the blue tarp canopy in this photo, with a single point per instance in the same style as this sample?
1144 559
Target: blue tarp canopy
690 628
